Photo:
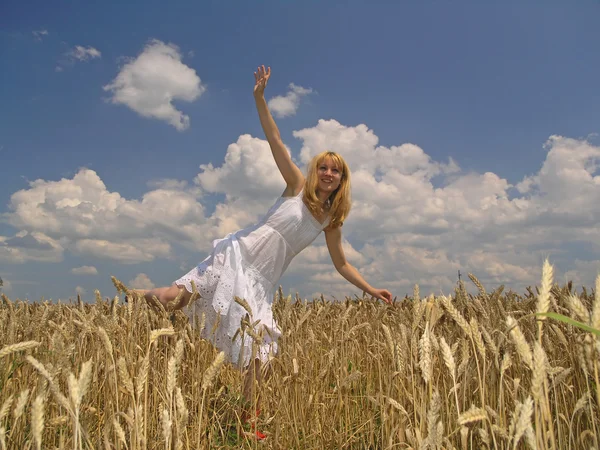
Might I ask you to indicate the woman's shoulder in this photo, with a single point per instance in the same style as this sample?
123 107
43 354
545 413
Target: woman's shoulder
291 192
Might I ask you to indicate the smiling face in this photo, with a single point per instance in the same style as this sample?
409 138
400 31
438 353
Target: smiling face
327 187
329 176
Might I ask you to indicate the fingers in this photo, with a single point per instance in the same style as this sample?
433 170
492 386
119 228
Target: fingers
386 296
262 75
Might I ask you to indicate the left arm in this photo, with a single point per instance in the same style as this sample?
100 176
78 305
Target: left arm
333 237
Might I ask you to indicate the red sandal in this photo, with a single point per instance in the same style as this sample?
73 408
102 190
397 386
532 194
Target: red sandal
257 434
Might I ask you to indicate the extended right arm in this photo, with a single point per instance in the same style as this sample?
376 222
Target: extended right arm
290 172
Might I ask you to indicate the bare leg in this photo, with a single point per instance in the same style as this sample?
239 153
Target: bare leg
251 391
253 379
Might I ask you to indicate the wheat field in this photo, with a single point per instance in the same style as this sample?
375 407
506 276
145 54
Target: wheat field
462 371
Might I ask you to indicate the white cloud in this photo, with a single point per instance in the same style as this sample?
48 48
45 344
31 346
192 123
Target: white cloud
316 258
414 219
81 53
287 105
81 215
141 281
248 171
80 290
137 250
84 270
151 82
30 246
413 230
567 175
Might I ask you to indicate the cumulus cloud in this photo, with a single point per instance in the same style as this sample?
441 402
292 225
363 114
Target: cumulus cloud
568 174
82 215
248 171
84 270
30 246
151 82
134 251
141 281
80 290
414 219
287 105
413 230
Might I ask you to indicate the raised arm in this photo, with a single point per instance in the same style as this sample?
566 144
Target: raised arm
291 173
333 237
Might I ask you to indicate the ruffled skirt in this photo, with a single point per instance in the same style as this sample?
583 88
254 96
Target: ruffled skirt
219 279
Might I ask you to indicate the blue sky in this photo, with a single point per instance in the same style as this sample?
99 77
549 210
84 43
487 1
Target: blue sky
484 85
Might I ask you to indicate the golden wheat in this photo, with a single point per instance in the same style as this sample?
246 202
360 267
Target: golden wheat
353 374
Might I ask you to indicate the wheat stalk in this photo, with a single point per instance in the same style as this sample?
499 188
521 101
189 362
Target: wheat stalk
521 343
37 421
166 428
451 365
171 375
433 437
124 375
425 354
396 405
457 316
155 334
142 376
477 337
182 410
212 371
539 372
6 407
120 432
244 304
53 387
530 437
523 421
19 347
543 302
106 341
595 320
473 414
388 337
579 310
21 402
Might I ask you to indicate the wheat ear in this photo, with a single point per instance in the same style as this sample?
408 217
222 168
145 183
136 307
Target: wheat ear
7 350
37 421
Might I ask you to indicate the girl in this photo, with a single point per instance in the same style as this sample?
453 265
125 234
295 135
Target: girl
249 263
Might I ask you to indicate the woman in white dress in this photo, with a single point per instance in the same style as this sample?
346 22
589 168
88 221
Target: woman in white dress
249 263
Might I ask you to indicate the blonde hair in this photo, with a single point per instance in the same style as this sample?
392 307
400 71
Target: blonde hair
339 202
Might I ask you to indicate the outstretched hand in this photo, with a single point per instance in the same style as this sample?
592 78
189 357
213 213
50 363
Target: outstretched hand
383 294
261 77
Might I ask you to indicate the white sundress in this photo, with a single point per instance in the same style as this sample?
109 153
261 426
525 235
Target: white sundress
248 264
